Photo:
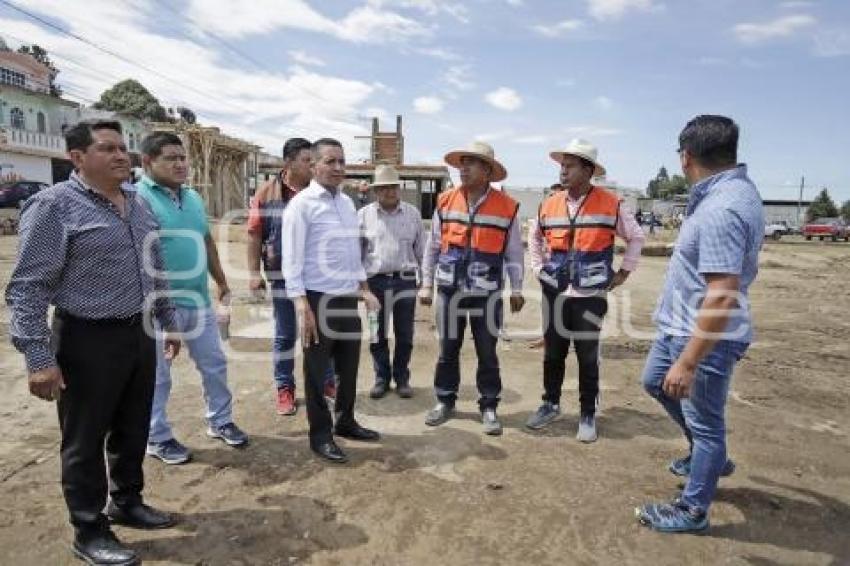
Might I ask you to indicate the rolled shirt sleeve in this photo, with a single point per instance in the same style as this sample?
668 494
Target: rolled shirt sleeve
515 256
42 249
536 248
163 307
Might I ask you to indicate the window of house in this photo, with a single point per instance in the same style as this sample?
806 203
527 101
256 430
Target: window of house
16 117
10 77
42 123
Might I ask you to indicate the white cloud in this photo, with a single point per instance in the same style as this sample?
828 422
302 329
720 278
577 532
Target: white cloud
603 103
303 58
832 43
559 29
438 53
613 9
504 98
428 105
590 131
566 83
366 24
262 106
431 8
458 78
788 26
515 3
535 139
796 4
492 137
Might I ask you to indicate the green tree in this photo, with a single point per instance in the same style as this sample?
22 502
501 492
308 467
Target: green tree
131 97
675 185
653 189
845 211
40 54
822 207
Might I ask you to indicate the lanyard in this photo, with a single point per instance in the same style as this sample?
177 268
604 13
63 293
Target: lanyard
574 218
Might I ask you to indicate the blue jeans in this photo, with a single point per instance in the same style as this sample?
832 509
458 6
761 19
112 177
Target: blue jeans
285 336
204 345
700 416
398 299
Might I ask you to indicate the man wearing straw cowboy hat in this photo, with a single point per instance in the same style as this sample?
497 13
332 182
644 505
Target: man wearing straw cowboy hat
474 241
392 238
578 226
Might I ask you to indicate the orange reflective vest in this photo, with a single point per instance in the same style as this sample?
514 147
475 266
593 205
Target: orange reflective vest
581 246
472 243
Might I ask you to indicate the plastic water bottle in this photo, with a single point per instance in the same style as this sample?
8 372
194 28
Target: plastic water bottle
372 317
222 315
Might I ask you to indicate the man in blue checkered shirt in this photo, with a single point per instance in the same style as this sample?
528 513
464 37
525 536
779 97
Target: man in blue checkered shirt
703 315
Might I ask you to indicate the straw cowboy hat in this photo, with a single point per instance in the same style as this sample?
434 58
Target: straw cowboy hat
583 149
385 176
482 151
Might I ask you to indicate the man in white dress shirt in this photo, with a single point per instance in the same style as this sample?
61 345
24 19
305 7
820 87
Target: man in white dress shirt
324 277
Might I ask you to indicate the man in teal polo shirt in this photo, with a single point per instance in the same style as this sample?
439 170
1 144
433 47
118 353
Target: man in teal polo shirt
189 252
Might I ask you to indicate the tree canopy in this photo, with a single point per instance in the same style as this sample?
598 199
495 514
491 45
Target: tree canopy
40 54
822 207
131 97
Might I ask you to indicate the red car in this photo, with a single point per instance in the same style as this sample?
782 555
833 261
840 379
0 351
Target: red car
823 228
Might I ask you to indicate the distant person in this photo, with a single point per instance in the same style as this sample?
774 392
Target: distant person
652 221
325 278
190 256
639 217
393 243
362 195
703 315
82 245
264 248
576 271
474 241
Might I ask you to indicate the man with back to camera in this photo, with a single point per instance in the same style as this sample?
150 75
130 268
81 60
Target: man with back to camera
83 248
189 253
703 315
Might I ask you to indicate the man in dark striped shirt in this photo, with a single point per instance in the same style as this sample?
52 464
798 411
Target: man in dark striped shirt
90 248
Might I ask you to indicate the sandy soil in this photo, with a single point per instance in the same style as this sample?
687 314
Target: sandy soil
455 496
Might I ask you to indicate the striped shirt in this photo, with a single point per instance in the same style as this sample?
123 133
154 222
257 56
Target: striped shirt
76 252
391 240
722 234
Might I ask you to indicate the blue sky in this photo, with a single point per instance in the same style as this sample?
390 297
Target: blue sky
526 75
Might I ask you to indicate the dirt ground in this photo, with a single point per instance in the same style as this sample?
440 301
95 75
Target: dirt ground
452 495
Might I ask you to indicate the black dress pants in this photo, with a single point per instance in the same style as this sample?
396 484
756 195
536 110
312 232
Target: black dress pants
339 329
577 320
109 371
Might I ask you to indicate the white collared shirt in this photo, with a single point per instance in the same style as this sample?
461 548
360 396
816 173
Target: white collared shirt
393 240
321 243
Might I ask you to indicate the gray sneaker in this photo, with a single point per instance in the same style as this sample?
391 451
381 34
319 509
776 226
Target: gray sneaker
587 429
169 451
492 426
229 433
439 414
545 414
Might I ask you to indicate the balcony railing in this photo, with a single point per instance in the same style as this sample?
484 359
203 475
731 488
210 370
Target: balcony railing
37 142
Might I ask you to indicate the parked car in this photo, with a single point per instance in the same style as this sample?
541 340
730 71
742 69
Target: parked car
775 230
823 228
14 193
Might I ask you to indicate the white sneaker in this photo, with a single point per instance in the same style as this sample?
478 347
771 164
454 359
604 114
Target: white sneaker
587 429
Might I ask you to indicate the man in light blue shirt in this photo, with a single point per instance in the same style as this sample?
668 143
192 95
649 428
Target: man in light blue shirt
189 252
703 315
325 277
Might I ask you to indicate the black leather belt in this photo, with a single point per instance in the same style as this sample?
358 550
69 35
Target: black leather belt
132 320
408 274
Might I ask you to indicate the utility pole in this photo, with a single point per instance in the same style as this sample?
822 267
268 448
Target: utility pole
800 201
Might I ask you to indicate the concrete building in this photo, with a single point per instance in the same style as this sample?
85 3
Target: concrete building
790 212
31 121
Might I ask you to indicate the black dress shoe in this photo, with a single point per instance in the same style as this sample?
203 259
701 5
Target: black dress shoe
379 389
330 452
139 516
101 547
357 432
